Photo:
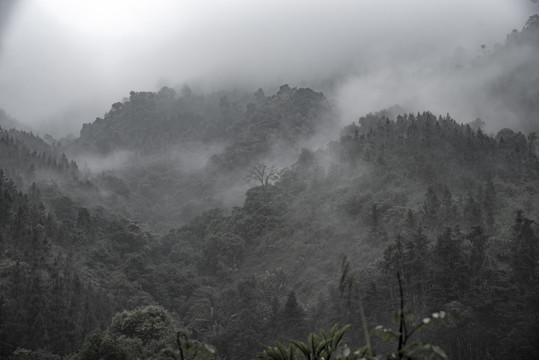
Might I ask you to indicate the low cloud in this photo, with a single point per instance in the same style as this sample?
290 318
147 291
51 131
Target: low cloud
96 164
464 86
63 62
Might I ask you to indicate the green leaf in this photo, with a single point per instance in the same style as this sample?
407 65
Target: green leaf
337 338
302 347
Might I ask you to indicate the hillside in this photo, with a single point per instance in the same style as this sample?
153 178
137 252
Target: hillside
372 195
175 156
226 216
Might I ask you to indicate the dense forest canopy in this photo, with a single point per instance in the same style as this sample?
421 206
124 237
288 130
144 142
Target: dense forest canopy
200 225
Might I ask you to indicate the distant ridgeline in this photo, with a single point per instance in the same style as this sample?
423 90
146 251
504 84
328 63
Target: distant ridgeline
149 122
438 149
282 121
184 154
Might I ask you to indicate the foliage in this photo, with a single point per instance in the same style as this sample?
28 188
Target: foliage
451 208
330 346
149 323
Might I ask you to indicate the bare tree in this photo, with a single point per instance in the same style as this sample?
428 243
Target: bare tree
263 174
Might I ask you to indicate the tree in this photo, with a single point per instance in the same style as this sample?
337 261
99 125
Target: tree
417 255
452 270
263 174
410 220
489 202
328 345
259 96
186 91
472 212
448 210
524 249
478 240
149 323
222 251
292 317
431 206
224 106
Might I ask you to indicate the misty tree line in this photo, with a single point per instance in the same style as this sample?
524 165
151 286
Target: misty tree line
19 147
160 130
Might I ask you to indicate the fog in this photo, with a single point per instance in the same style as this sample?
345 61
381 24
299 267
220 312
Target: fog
63 63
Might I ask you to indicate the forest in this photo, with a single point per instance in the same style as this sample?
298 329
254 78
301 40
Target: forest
184 225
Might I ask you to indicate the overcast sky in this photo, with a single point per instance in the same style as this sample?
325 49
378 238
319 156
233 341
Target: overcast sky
63 62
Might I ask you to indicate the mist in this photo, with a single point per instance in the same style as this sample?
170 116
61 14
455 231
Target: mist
191 178
63 64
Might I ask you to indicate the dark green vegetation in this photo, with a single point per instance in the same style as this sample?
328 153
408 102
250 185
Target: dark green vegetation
449 207
175 156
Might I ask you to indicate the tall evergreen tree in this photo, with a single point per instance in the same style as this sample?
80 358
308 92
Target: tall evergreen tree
524 250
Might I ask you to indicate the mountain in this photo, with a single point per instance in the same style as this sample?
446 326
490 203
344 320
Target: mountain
179 155
385 192
178 221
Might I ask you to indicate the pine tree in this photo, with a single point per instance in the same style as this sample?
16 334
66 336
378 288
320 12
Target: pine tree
292 317
478 240
523 250
451 268
431 206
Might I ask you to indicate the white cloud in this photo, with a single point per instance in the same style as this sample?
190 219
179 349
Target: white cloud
59 54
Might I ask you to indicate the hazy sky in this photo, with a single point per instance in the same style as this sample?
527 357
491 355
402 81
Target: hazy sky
63 62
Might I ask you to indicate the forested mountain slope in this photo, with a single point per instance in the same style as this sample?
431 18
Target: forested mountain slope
376 196
150 122
448 206
172 157
145 224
